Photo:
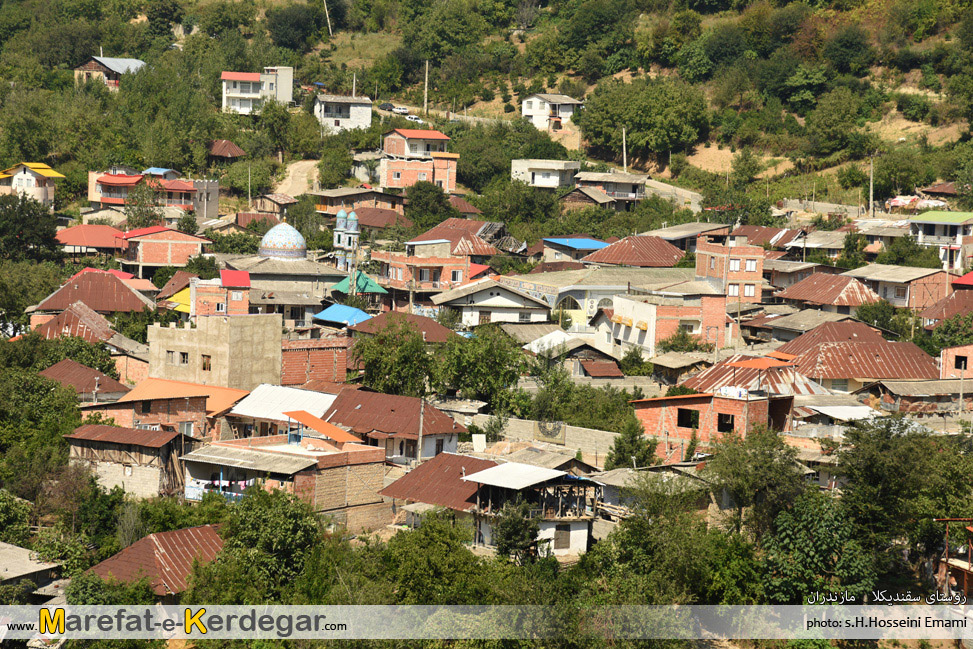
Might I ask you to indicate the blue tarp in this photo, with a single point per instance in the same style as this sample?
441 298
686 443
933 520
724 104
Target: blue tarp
346 315
579 244
156 171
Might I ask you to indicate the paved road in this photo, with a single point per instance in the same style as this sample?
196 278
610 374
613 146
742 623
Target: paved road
819 207
299 179
682 197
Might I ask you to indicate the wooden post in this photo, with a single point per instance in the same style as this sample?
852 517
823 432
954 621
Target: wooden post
328 17
425 92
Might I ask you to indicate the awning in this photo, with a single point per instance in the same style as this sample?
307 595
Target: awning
642 324
317 424
341 314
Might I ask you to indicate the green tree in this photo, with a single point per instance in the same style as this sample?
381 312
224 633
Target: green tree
759 473
483 367
905 251
813 548
142 207
203 266
632 363
632 447
849 50
275 121
187 223
135 324
15 515
295 26
88 589
954 331
335 165
853 253
27 230
445 29
831 125
745 167
683 341
395 360
515 532
241 243
428 206
23 284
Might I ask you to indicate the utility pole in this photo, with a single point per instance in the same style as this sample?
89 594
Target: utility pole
249 202
328 17
425 92
871 186
422 408
354 83
624 151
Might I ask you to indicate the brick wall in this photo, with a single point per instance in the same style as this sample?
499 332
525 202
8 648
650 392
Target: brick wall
209 296
926 291
37 319
720 262
948 366
410 171
367 518
169 248
305 360
395 144
130 370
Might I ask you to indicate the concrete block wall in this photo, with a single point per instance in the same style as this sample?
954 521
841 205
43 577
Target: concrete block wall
367 518
139 481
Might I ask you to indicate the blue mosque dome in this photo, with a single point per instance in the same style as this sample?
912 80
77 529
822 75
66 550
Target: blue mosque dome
283 241
340 220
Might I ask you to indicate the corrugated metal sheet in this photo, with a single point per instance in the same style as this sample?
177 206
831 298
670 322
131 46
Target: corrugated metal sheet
380 218
165 558
758 235
315 423
91 236
102 292
366 412
513 475
226 149
432 331
832 332
272 401
119 435
856 360
602 369
933 388
78 320
217 399
640 251
251 458
831 290
956 303
83 379
440 482
783 380
526 333
176 283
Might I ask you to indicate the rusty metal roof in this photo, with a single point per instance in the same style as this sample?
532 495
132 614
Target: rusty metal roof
102 292
165 558
782 380
641 251
126 436
956 303
78 320
432 331
832 332
226 149
82 379
602 369
178 281
440 482
867 360
366 412
830 290
758 235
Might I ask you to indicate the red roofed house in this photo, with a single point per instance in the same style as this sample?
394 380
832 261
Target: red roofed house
394 423
165 558
835 293
227 294
432 332
89 384
737 267
425 269
411 155
245 92
848 366
954 362
91 239
153 247
111 189
226 150
639 251
758 235
957 303
832 332
101 292
144 463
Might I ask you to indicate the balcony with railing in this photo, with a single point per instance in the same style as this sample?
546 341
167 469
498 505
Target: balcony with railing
939 240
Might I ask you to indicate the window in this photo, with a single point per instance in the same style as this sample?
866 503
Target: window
456 276
749 290
396 175
142 408
440 444
733 290
734 265
207 362
128 469
422 175
170 357
562 537
523 316
186 428
689 326
841 385
959 362
686 418
221 307
184 358
236 295
751 265
724 422
423 274
844 310
901 292
484 317
529 104
712 263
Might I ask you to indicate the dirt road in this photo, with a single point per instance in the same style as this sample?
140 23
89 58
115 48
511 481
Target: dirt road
299 179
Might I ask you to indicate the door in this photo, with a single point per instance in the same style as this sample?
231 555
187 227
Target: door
439 445
484 317
562 537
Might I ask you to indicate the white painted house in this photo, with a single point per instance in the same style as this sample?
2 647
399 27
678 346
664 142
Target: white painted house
487 301
545 174
245 92
549 112
337 113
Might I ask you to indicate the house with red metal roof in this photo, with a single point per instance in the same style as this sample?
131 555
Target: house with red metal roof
153 247
411 155
398 424
431 331
832 332
758 235
225 150
88 383
102 292
245 92
957 303
91 239
639 251
835 293
143 462
848 366
112 188
166 559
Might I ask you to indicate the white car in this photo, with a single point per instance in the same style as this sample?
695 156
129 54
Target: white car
415 118
400 110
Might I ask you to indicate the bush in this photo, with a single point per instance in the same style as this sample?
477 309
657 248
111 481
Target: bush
851 176
914 108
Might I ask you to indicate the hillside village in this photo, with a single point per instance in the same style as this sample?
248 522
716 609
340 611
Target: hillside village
279 328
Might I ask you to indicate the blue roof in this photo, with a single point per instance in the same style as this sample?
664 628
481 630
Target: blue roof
346 315
579 244
156 171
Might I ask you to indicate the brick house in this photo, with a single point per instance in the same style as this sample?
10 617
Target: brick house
156 246
112 189
828 292
959 302
736 267
228 294
192 409
424 269
101 292
906 286
144 463
954 362
411 155
672 421
324 359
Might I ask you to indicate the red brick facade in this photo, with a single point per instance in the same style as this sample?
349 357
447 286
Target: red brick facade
157 412
739 268
711 313
216 300
324 359
168 248
957 362
672 420
130 370
440 170
927 291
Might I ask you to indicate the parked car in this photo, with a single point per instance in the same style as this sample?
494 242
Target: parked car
400 110
415 118
386 106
